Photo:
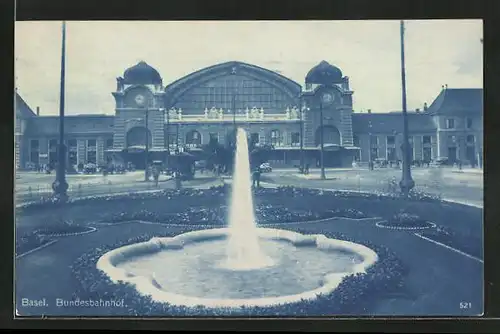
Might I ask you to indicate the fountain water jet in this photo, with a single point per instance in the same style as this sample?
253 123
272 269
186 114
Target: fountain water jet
243 249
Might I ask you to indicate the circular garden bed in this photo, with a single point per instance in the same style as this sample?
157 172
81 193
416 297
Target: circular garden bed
406 221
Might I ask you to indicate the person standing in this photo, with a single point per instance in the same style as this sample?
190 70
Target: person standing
256 177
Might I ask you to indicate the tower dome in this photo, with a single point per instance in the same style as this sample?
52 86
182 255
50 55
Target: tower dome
324 74
142 74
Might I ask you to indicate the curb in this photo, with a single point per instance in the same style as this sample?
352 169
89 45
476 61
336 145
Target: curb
36 249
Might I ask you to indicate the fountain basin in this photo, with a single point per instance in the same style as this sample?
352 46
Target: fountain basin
185 270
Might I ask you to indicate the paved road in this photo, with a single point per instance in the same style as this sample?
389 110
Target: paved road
461 187
32 186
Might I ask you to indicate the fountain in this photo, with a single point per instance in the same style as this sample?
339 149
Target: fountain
241 265
244 251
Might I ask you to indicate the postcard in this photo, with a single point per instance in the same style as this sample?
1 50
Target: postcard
249 168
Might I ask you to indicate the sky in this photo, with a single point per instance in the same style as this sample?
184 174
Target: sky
437 52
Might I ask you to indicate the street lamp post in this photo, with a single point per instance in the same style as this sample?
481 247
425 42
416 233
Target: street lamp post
177 138
146 171
406 183
370 164
233 105
167 140
301 111
60 186
322 146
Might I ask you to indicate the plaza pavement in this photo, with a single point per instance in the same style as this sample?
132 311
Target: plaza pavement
463 187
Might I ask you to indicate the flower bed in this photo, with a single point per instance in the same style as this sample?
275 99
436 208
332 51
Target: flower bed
30 241
39 237
353 295
264 213
404 220
63 228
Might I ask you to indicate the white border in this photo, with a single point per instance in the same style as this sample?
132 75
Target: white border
36 249
92 229
378 224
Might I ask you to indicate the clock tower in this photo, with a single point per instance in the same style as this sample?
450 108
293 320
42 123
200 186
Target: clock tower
139 108
329 100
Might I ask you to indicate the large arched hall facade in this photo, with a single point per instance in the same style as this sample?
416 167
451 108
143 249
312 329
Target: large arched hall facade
208 103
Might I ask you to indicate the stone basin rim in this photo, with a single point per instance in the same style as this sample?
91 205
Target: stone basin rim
146 285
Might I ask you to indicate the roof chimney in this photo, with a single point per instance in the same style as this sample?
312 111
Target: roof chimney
38 111
425 106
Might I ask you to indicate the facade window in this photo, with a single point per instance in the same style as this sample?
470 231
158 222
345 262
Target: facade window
470 139
391 154
426 154
295 138
391 140
254 138
52 151
426 140
72 152
355 140
109 143
276 138
172 139
469 123
193 139
34 151
92 151
450 123
373 141
214 137
374 153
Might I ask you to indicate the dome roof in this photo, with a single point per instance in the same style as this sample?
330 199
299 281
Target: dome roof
142 74
324 74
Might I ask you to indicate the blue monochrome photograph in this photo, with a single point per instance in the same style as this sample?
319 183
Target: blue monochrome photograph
248 168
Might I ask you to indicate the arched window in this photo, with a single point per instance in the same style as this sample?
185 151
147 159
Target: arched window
276 138
331 135
137 137
193 138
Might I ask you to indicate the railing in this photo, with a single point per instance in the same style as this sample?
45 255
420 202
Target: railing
220 115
